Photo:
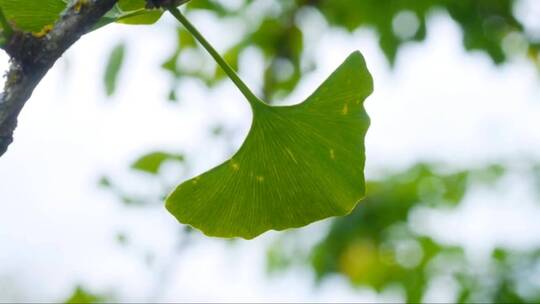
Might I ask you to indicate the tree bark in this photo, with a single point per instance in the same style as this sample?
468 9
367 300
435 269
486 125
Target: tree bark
32 57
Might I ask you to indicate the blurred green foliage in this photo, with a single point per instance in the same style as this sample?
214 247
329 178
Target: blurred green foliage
378 247
113 67
82 296
152 162
489 26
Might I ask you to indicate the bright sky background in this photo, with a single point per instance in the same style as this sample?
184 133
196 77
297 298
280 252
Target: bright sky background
57 228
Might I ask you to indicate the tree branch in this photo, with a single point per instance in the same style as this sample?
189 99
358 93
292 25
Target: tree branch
32 57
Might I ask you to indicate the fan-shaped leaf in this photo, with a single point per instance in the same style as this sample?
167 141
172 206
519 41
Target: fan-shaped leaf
298 164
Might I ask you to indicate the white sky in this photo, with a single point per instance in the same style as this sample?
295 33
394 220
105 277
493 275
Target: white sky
57 229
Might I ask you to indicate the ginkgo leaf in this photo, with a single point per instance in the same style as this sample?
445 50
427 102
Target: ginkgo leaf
32 15
298 164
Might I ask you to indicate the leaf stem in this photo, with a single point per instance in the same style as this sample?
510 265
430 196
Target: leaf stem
252 98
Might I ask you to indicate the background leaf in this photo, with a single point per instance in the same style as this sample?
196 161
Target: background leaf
113 67
82 296
151 163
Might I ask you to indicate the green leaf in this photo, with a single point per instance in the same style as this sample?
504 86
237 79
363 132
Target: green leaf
32 15
112 70
140 17
151 163
131 5
298 164
132 12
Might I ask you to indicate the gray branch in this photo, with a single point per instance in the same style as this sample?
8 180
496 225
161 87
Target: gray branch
32 57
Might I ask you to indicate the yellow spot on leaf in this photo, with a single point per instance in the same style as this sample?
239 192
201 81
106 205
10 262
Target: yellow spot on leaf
196 180
345 110
332 154
260 179
235 166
